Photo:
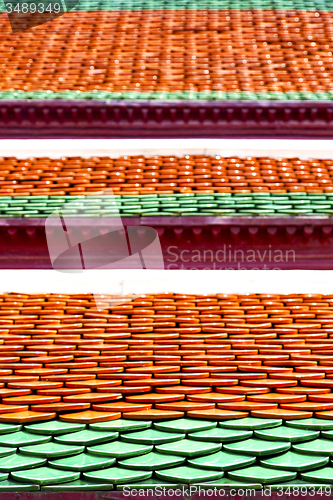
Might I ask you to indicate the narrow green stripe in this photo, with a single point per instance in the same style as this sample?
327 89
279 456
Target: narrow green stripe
166 96
175 204
113 5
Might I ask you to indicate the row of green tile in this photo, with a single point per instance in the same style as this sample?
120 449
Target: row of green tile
163 447
169 96
203 4
232 204
90 5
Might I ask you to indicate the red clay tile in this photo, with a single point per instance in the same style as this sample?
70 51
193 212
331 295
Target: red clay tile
63 391
324 414
307 406
210 382
34 385
303 390
92 397
153 414
321 397
269 383
242 390
25 417
279 413
154 398
31 399
153 382
58 407
89 417
185 406
183 389
216 414
247 406
121 406
277 398
215 397
13 408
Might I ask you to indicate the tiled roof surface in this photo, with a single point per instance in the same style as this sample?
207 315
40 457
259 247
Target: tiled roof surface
166 185
144 50
166 388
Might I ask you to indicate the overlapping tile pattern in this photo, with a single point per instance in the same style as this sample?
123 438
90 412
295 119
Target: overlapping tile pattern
220 50
165 389
166 185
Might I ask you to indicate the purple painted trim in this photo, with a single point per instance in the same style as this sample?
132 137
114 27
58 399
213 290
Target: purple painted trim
23 242
187 221
138 119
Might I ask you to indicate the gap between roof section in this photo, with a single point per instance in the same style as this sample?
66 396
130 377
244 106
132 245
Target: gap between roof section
140 281
86 148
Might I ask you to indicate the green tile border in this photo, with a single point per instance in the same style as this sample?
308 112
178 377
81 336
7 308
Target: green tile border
99 95
172 205
115 5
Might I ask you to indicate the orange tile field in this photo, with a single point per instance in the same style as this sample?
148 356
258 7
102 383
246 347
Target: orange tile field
163 174
165 356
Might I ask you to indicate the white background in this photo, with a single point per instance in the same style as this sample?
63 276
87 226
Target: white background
150 281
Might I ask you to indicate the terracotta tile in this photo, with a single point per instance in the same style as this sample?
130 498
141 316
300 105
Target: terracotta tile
122 407
97 370
277 398
321 397
126 364
303 390
183 363
324 414
34 385
73 364
89 417
215 397
153 414
271 383
210 382
183 389
185 406
153 369
31 399
92 397
241 376
242 390
63 391
25 417
49 359
217 414
154 398
279 413
58 407
13 408
14 392
68 377
127 390
39 371
93 383
307 406
310 382
153 382
247 406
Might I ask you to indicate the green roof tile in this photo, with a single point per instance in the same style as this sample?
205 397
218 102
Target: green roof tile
185 474
222 460
257 447
188 448
152 461
295 462
263 475
117 475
